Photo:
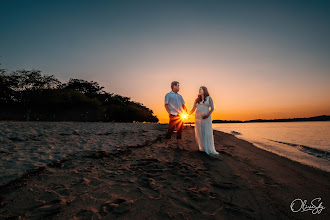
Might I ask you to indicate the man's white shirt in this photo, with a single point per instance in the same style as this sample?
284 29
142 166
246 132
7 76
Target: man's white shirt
175 102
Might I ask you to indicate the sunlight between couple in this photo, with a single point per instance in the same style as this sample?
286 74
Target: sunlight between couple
175 106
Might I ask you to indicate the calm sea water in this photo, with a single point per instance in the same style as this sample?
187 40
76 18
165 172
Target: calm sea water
305 142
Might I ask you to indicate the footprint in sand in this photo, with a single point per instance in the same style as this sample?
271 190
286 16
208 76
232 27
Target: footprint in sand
236 212
88 214
200 194
149 187
51 205
61 189
225 186
115 208
266 179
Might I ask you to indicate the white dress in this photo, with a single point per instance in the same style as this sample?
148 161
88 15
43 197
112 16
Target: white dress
203 127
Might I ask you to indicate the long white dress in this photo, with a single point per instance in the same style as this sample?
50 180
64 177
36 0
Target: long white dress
203 127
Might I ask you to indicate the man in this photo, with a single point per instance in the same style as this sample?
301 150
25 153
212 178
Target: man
174 105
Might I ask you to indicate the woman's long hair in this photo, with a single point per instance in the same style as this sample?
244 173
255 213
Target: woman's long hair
206 94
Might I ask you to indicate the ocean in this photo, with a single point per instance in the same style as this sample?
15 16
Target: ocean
304 142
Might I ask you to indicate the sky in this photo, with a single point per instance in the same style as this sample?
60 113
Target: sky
258 59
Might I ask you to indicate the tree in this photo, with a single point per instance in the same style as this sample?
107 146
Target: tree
87 88
30 95
5 90
28 85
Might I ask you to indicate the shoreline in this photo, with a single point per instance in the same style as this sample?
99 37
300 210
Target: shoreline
148 181
310 149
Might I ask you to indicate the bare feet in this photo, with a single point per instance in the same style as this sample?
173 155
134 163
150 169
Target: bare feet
216 156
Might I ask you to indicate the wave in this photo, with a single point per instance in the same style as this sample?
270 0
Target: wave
306 149
235 133
303 148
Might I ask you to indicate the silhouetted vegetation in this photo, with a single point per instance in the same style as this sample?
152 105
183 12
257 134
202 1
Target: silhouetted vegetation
315 118
226 121
29 95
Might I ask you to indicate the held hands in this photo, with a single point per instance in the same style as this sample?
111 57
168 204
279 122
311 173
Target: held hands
192 111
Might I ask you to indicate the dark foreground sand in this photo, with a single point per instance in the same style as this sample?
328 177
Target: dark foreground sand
150 182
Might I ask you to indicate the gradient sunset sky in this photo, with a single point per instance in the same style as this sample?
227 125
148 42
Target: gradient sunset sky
259 59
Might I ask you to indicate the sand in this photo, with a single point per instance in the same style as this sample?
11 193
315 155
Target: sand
30 145
147 181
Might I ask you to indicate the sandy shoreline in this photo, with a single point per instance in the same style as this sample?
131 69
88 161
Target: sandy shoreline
146 181
25 146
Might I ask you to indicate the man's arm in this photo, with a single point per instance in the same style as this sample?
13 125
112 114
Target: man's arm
183 105
167 109
166 104
184 108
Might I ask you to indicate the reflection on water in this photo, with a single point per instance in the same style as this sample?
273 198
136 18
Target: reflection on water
305 142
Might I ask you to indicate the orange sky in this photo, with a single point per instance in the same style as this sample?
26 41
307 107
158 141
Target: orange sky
258 59
235 97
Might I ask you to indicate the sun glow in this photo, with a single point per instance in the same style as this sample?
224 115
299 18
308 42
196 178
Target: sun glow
184 116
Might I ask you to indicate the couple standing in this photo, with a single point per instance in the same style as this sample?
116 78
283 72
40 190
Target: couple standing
175 106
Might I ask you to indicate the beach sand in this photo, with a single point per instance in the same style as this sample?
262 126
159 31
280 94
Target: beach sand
147 181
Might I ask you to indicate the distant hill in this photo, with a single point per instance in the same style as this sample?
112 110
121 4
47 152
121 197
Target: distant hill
315 118
227 121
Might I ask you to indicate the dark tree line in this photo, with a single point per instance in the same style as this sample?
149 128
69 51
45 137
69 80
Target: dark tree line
29 95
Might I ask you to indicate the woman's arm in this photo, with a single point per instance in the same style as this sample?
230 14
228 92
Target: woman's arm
212 108
211 105
193 109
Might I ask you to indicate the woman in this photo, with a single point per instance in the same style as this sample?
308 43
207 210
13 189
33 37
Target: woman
203 121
